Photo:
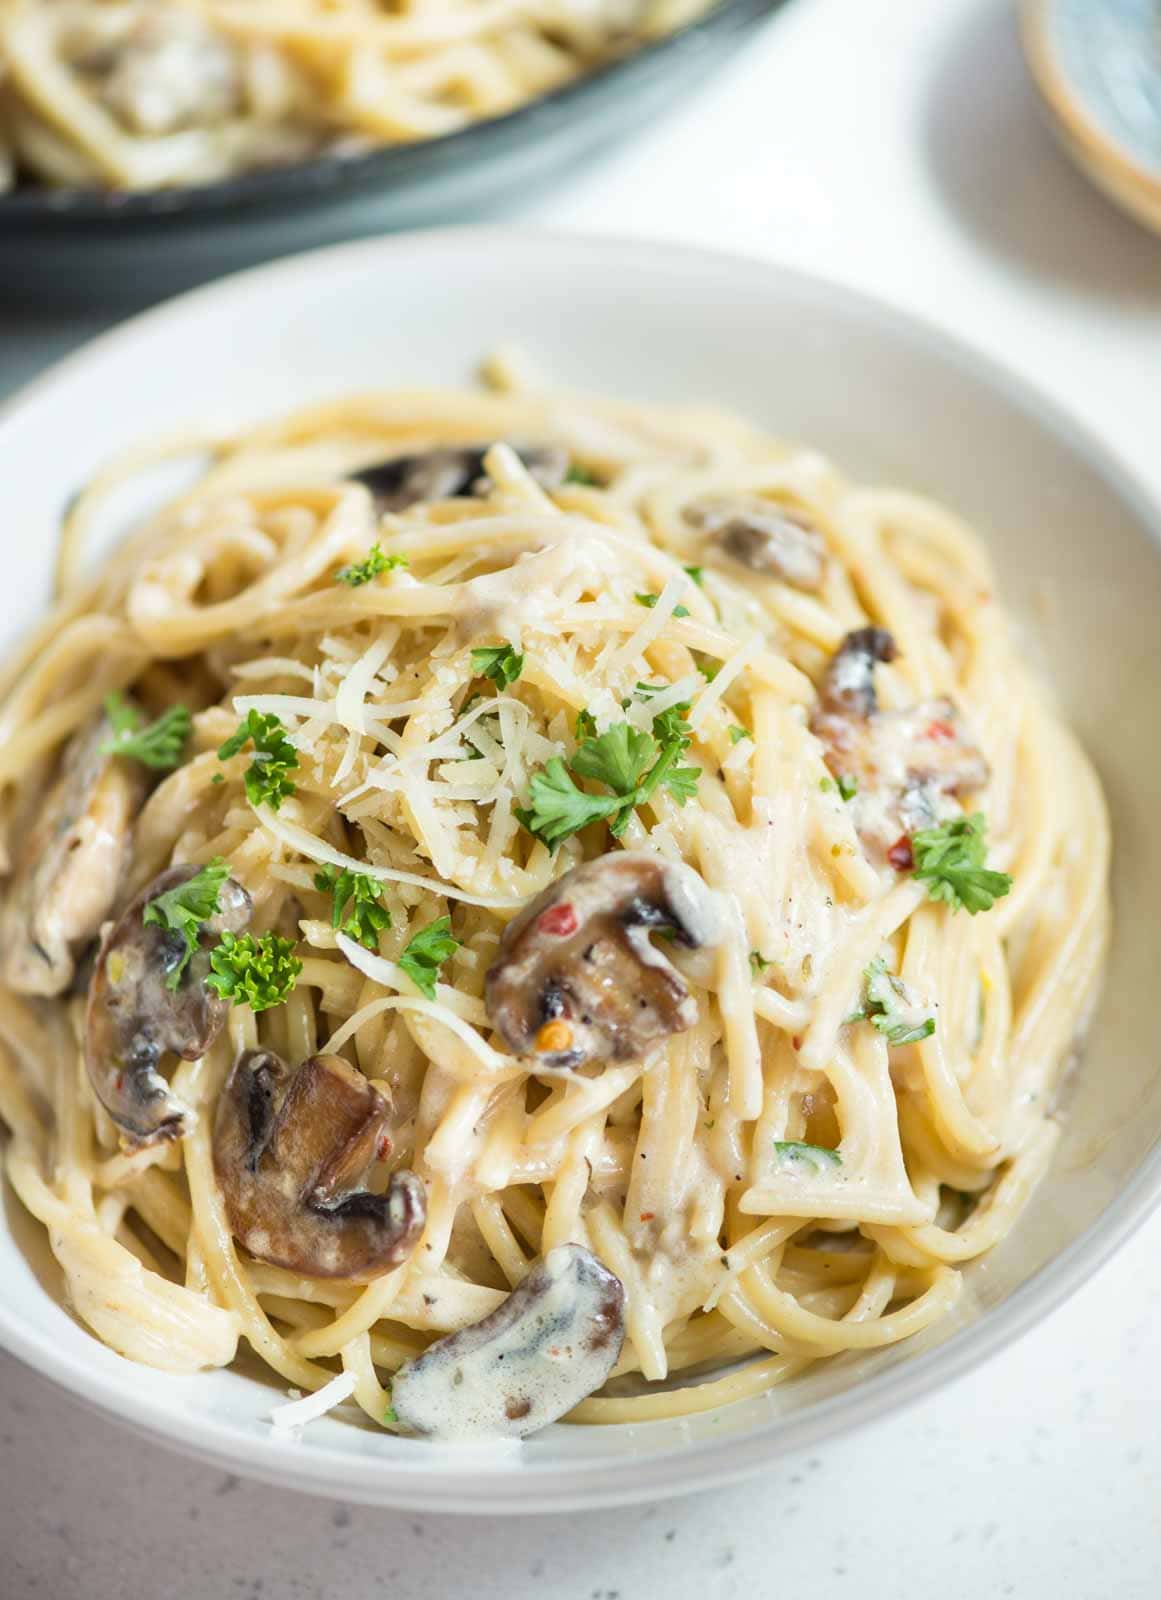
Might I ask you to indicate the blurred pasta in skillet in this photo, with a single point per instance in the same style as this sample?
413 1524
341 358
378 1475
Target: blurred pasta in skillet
148 94
523 905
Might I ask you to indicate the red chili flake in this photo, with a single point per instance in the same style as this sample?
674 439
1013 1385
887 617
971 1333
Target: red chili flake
647 1216
383 1148
900 855
796 1041
941 731
560 921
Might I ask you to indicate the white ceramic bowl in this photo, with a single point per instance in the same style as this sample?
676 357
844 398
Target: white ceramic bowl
1077 547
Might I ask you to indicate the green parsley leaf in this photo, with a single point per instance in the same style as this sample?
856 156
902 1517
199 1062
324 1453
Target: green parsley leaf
581 475
274 757
848 785
650 600
361 572
558 808
792 1152
737 734
498 662
758 963
259 973
709 669
159 745
617 758
696 573
949 858
183 910
426 951
671 724
826 785
361 894
885 998
646 691
585 726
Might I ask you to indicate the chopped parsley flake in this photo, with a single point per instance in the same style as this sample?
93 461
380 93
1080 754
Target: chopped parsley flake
887 1000
792 1152
631 763
425 953
499 662
359 897
650 600
184 909
949 859
158 745
361 572
274 757
738 733
259 973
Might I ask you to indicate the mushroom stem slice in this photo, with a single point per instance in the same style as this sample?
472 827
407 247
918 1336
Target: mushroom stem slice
292 1149
577 978
134 1018
552 1342
901 770
773 540
448 472
72 860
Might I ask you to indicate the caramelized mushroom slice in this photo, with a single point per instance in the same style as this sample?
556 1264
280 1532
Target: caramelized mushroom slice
72 859
552 1342
450 471
903 766
292 1147
134 1018
577 978
774 540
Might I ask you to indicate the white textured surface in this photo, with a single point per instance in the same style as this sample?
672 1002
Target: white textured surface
895 144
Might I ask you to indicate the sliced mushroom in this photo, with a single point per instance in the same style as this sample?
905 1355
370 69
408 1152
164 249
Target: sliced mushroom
445 473
775 540
134 1018
553 1341
292 1147
905 767
577 978
72 860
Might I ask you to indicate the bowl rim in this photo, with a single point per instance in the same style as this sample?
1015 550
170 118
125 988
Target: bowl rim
335 175
647 1475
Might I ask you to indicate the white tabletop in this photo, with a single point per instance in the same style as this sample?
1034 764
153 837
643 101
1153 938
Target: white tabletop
894 144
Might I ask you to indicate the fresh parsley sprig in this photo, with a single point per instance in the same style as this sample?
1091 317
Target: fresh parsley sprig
499 662
184 909
274 756
949 859
631 763
357 910
425 953
259 973
158 745
357 573
885 998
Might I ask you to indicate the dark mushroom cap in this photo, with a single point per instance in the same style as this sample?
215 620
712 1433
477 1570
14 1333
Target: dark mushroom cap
292 1147
450 471
133 1018
577 978
553 1341
774 540
848 689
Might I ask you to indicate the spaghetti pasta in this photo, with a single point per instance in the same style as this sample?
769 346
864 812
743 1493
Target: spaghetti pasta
463 712
148 94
